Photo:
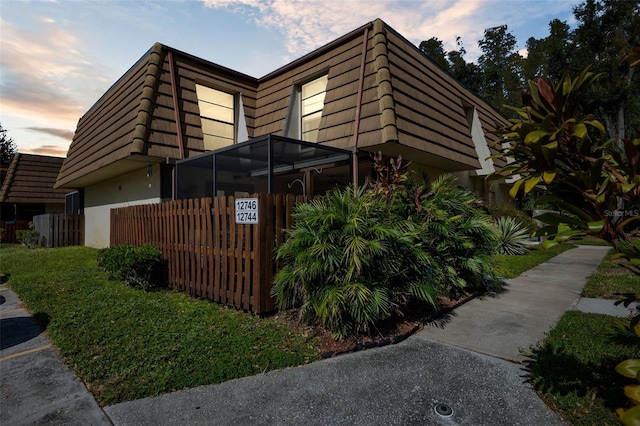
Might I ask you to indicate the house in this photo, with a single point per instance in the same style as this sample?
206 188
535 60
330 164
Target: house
27 189
177 126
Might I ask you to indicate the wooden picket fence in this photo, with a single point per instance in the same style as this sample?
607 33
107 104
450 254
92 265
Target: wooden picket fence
60 230
8 235
208 255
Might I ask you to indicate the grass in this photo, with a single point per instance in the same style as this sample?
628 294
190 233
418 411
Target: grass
506 266
611 278
126 344
574 367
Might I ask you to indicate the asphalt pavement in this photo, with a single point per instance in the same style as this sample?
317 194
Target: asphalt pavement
463 369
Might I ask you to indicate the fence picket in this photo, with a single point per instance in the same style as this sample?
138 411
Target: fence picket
207 254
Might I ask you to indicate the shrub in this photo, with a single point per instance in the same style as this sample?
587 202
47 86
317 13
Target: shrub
454 229
512 235
140 267
28 237
500 210
351 263
354 258
455 232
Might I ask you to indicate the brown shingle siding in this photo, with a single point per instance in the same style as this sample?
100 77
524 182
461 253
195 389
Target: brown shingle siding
406 98
30 180
106 128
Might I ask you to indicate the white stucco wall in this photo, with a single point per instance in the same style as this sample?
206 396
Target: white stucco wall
137 187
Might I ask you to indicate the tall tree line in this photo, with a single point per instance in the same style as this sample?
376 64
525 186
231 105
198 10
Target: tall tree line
606 31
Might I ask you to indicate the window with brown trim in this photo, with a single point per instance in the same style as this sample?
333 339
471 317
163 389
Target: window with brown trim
312 96
217 114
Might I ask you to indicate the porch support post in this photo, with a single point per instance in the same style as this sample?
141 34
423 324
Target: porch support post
176 105
356 130
270 165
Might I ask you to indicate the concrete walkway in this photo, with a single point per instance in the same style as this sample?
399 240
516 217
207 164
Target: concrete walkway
36 387
514 319
451 373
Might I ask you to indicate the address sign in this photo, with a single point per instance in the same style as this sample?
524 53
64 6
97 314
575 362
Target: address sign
247 210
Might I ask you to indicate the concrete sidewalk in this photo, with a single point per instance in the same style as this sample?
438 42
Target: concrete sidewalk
527 307
403 384
36 387
441 376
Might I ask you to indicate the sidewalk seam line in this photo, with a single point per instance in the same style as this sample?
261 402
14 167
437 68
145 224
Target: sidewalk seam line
13 310
27 352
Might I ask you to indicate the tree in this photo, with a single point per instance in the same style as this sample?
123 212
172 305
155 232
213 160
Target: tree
549 57
501 67
465 72
607 31
8 147
434 49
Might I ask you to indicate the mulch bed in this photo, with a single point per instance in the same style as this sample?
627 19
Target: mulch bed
392 331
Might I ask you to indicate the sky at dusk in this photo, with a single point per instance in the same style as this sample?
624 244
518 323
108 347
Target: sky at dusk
58 57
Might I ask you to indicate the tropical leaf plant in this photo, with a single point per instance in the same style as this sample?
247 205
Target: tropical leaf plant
593 182
513 236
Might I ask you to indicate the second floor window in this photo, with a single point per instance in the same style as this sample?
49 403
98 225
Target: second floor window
312 96
217 114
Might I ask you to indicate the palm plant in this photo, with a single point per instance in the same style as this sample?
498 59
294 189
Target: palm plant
459 234
350 262
513 236
356 257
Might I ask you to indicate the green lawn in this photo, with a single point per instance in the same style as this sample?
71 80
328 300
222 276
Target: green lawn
611 278
512 266
126 344
574 367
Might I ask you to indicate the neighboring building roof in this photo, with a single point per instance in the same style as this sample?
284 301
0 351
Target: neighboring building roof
382 93
30 179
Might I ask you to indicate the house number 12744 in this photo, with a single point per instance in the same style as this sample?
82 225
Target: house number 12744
247 210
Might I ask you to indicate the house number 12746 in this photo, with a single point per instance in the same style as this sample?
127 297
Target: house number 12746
247 210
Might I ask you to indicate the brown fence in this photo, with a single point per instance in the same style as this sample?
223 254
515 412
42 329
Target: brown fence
60 230
208 254
10 228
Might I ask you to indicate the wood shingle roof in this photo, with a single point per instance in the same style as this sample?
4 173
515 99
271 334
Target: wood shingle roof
400 96
30 180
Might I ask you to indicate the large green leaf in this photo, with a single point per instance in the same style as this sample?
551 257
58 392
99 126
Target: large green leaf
531 183
595 227
534 136
596 124
630 417
633 392
557 219
580 131
548 176
629 368
515 188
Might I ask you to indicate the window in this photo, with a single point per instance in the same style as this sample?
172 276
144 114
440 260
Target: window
311 103
217 114
73 202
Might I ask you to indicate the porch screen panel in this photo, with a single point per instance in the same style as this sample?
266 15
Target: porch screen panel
194 179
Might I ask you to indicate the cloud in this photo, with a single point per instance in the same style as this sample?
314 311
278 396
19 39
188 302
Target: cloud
61 133
44 72
308 24
53 150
